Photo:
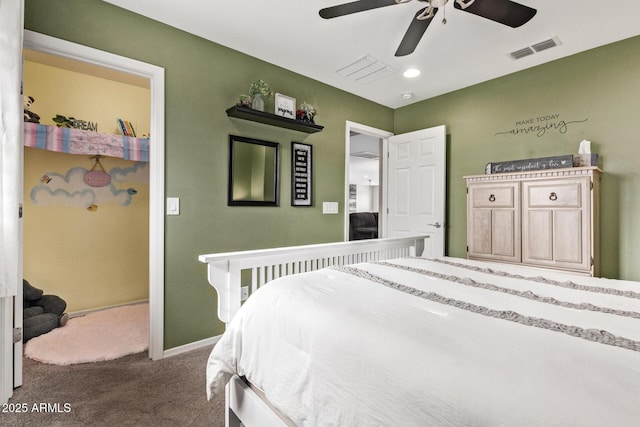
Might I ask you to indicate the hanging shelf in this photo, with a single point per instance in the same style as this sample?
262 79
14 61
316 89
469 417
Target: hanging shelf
246 113
78 141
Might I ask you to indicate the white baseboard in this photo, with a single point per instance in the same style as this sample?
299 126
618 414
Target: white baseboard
80 313
207 342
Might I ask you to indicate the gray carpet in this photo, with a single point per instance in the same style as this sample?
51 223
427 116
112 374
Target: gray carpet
130 391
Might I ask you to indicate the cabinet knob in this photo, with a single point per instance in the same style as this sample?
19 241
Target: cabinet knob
492 198
553 196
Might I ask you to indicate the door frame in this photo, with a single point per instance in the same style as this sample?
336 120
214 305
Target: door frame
155 74
384 137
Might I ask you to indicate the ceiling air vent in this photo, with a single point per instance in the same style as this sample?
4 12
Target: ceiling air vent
538 47
519 54
365 70
366 154
553 42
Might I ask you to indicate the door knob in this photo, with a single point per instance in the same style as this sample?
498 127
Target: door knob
436 225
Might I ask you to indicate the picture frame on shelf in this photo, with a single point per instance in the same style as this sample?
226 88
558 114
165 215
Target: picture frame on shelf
285 106
301 174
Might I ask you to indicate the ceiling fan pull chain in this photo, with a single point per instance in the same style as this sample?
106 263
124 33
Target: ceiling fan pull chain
444 19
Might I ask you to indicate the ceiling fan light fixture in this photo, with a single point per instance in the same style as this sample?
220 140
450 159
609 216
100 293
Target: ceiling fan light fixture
411 73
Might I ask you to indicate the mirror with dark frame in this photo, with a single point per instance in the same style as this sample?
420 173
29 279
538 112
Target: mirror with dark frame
253 172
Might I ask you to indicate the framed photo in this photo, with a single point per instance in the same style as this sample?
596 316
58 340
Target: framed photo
285 106
301 182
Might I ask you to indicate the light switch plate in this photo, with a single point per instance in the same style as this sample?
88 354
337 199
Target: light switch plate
330 208
173 206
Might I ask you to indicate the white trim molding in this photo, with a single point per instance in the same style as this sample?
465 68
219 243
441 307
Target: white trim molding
207 342
6 349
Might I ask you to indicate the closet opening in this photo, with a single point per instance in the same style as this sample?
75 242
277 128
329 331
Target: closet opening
87 197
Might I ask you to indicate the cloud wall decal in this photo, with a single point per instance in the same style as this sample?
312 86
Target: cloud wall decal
139 172
71 190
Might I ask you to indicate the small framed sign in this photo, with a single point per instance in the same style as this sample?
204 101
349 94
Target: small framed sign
285 106
301 185
542 163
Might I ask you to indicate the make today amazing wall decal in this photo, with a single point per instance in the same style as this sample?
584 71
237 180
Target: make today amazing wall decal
540 125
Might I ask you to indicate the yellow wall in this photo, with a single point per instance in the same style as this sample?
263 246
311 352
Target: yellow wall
85 97
89 258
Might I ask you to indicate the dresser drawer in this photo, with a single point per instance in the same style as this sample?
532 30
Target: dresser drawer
492 196
550 194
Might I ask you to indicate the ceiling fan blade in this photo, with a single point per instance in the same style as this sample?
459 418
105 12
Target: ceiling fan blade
414 33
354 7
505 12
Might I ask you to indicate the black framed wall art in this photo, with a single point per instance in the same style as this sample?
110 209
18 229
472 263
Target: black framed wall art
301 174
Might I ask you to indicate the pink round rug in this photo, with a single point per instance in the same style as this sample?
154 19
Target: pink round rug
102 335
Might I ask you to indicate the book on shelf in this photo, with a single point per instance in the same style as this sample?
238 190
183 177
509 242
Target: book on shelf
126 127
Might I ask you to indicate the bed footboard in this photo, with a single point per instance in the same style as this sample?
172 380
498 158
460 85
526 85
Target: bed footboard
246 408
224 269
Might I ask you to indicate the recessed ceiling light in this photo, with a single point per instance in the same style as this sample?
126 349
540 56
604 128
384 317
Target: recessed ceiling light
407 95
411 72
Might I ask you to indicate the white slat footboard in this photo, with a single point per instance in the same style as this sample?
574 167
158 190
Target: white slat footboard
224 269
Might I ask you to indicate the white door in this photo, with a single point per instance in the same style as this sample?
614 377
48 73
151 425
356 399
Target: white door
11 25
416 187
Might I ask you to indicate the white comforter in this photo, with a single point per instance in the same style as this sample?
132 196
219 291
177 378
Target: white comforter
330 348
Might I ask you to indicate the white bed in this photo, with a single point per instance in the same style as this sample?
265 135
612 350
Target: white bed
417 342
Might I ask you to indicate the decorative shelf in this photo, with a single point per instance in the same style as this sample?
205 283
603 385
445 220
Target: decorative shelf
86 142
246 113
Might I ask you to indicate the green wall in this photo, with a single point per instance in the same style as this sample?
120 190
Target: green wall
601 85
202 80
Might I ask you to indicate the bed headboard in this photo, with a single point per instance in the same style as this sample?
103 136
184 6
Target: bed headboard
224 269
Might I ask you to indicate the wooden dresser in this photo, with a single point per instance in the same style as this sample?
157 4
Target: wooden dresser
540 218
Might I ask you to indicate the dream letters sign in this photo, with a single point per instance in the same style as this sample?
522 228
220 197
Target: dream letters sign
557 162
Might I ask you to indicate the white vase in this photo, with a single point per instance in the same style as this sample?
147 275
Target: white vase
257 103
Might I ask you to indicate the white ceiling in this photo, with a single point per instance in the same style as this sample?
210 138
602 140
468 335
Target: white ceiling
465 51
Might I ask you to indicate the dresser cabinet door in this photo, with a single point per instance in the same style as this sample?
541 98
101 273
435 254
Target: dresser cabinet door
493 221
556 222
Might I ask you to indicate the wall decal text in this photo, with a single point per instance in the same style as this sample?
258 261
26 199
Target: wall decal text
540 125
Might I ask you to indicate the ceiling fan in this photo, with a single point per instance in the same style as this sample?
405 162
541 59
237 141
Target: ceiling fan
505 12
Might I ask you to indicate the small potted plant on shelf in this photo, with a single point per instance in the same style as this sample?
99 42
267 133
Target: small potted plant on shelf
63 122
244 101
306 112
259 90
